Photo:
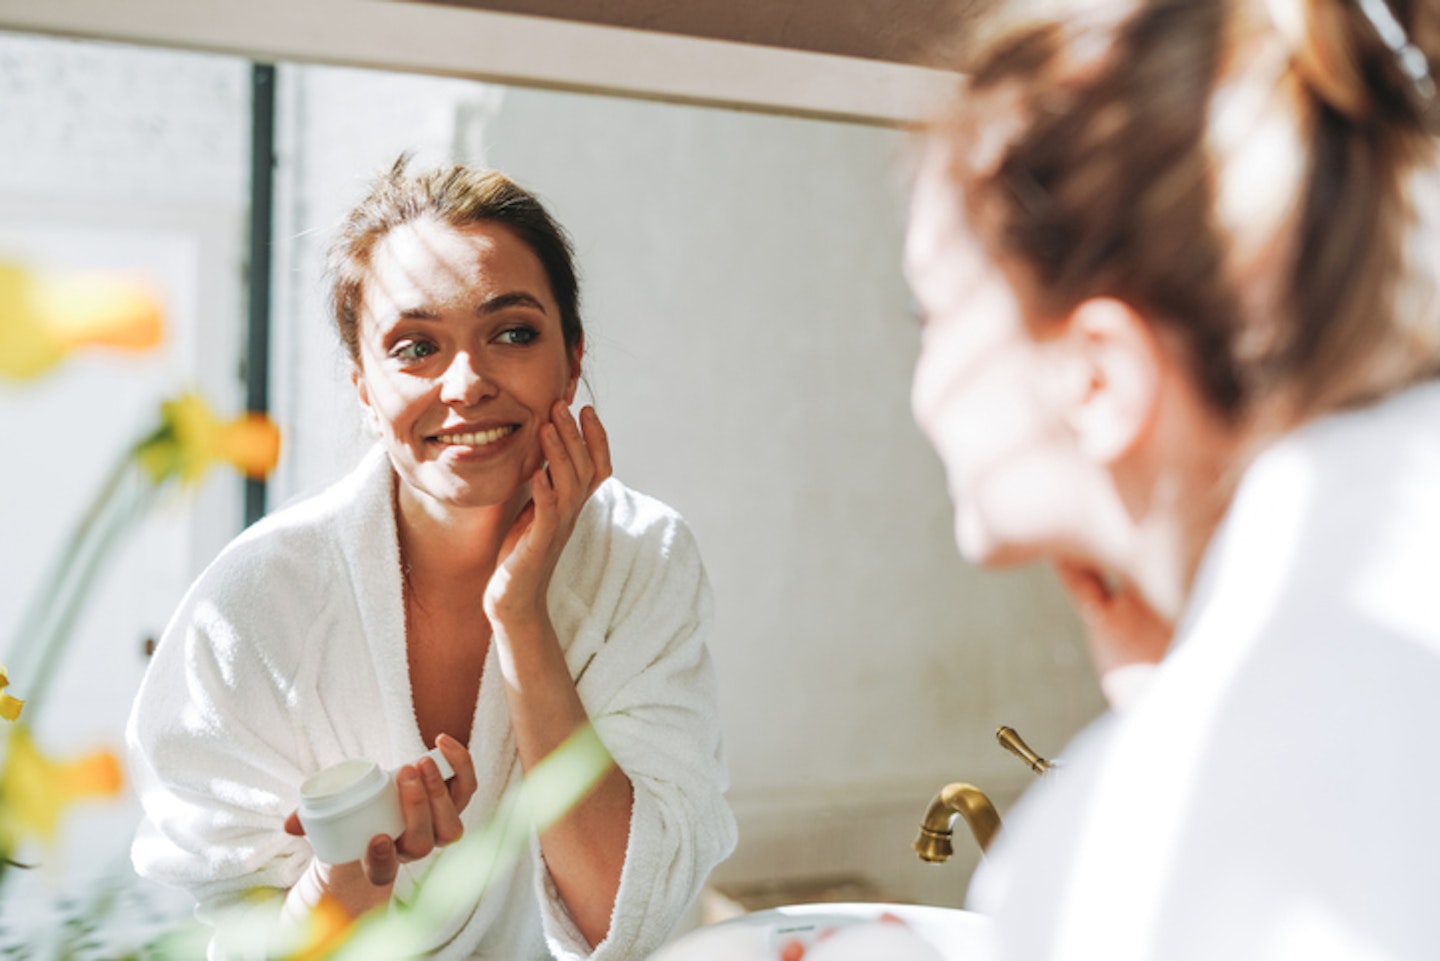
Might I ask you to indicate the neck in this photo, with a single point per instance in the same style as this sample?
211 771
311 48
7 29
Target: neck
441 540
1171 545
1176 491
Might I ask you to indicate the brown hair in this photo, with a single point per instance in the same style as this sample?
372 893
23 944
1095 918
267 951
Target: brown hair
458 196
1122 173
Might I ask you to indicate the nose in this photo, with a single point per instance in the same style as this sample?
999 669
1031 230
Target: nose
464 383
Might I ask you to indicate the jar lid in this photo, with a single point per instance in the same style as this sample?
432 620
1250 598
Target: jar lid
341 787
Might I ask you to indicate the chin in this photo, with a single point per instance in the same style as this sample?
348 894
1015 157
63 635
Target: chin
463 493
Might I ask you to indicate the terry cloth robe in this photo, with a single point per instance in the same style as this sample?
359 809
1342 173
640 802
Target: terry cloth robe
1272 793
288 655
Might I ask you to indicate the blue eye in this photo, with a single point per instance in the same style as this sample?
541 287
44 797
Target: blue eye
518 335
413 350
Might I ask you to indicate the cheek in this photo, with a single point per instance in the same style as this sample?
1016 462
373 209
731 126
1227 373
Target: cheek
538 382
935 387
977 414
386 404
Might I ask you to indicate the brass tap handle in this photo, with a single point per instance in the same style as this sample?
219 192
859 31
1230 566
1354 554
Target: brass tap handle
1012 742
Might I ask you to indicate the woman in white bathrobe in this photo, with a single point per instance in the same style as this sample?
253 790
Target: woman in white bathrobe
480 585
1177 265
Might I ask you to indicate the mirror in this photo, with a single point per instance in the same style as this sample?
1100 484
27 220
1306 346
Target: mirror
750 348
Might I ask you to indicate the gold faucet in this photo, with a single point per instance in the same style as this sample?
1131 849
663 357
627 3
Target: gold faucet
1012 742
969 802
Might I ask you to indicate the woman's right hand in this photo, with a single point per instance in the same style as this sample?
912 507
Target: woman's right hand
431 808
1125 635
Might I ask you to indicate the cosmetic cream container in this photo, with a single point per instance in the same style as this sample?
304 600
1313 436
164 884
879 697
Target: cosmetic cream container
347 804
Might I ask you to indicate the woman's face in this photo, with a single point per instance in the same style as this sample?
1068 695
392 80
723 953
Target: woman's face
461 359
984 387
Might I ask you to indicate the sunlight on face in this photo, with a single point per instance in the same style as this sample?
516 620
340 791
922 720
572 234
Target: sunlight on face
979 389
461 359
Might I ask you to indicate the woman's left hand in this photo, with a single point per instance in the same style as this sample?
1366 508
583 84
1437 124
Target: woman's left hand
577 458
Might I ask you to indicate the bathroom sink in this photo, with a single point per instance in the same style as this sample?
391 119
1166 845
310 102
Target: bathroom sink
947 934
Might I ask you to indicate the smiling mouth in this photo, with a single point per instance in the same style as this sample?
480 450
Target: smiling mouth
477 438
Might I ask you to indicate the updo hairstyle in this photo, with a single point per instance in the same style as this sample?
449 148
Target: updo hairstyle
1257 177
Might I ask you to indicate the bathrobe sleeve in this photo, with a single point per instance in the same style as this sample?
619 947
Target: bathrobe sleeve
646 678
213 749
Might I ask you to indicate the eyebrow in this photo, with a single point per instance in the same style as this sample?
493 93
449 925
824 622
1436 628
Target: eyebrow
516 298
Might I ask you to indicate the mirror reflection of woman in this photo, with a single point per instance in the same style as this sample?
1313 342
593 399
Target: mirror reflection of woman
480 584
1178 267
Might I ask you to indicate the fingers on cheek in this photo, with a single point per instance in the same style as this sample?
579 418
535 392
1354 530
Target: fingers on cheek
577 446
551 444
597 440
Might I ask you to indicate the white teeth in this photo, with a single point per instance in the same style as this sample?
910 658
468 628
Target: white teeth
477 439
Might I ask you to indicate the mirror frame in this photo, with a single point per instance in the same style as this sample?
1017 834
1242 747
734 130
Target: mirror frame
508 49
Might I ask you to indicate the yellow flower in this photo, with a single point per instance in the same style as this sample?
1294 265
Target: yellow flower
327 929
9 706
191 439
44 318
35 790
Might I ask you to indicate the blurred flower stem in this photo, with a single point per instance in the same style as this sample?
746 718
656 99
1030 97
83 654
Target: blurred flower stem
187 442
40 640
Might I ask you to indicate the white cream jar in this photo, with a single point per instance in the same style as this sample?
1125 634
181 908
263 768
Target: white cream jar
345 805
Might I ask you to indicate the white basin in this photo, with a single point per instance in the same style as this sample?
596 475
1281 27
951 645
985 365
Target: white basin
948 934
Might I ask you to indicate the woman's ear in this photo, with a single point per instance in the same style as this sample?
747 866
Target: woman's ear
1116 363
362 393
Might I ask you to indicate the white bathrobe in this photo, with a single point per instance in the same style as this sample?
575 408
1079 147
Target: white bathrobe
288 654
1274 793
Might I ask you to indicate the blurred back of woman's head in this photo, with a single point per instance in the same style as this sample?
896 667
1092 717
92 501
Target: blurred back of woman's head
1255 176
